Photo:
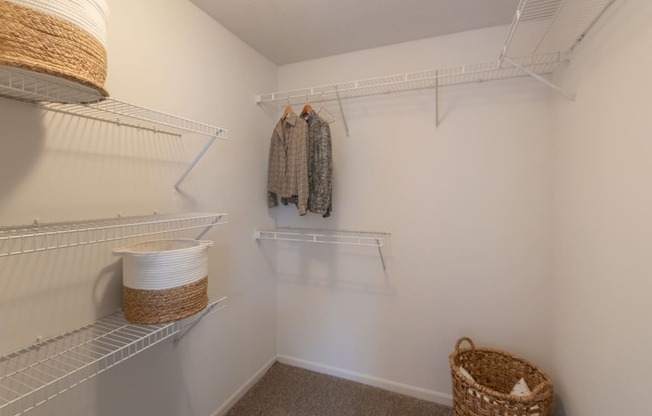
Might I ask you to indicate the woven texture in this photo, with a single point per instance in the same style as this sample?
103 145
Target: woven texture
89 15
42 43
158 306
495 373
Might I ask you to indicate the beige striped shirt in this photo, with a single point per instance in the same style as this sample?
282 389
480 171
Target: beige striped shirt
288 162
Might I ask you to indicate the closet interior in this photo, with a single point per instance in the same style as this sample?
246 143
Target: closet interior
490 240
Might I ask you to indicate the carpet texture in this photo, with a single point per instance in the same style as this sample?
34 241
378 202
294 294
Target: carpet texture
290 391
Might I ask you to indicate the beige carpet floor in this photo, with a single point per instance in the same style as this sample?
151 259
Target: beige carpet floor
289 391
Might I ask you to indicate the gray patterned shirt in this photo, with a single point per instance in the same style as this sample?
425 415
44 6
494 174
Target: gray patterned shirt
320 165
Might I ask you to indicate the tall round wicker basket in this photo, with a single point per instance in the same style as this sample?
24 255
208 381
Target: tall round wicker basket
494 374
164 280
61 38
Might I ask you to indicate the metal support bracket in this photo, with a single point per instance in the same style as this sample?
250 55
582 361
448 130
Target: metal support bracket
436 108
540 79
218 134
210 309
339 101
217 220
380 252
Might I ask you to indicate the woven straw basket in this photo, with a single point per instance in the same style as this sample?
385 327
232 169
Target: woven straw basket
61 38
495 373
164 280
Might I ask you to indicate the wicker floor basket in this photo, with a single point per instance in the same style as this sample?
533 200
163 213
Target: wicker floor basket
164 280
494 375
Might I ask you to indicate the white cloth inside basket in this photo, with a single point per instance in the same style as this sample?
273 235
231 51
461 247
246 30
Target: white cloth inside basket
521 388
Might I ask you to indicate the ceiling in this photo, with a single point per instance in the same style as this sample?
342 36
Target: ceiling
287 31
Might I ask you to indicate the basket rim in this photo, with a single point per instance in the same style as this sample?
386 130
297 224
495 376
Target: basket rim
543 390
127 249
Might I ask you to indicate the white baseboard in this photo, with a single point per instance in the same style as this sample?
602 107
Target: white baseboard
228 404
406 389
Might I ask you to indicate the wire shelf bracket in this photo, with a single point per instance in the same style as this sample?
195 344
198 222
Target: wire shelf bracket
339 101
210 309
33 375
354 238
201 154
15 240
541 79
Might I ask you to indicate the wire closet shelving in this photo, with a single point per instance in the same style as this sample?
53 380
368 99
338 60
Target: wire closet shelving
42 237
542 34
454 75
62 96
31 376
341 237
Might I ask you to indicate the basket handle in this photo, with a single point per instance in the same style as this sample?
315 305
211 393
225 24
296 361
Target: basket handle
459 342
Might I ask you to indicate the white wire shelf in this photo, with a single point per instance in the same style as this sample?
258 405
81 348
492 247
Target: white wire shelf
356 238
62 96
342 237
461 74
33 375
42 237
545 26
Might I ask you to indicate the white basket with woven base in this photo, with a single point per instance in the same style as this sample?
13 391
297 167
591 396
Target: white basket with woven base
164 280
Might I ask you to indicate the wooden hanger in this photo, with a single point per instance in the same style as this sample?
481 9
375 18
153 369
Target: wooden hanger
288 110
306 109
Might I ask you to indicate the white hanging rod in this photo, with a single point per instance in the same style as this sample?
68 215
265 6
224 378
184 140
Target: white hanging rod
66 97
42 237
461 74
31 376
545 26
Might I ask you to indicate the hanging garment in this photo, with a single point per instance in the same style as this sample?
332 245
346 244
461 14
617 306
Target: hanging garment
288 162
320 164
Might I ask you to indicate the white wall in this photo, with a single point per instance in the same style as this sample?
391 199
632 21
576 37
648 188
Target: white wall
602 249
170 56
468 206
